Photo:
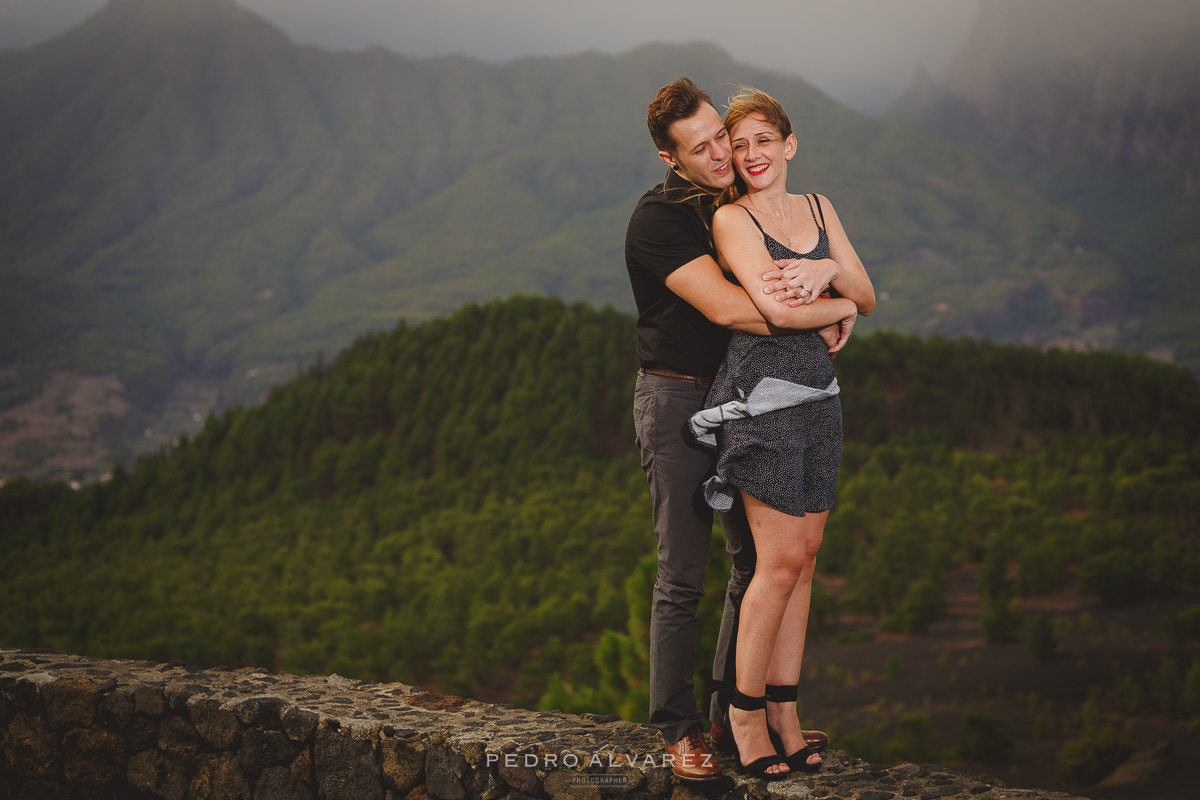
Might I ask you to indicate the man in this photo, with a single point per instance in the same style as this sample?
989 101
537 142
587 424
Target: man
686 309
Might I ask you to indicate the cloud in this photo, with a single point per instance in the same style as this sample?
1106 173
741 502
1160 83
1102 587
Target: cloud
863 52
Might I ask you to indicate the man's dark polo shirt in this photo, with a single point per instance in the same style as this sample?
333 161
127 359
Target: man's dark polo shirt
666 231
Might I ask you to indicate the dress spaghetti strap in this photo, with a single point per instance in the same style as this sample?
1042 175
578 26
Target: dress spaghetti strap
820 224
756 223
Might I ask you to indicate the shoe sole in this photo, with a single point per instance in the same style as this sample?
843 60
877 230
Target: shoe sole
691 779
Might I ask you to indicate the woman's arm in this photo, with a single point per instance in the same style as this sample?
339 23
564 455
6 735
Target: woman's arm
741 250
851 280
803 280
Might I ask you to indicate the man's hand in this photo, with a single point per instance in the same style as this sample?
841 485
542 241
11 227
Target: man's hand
843 330
800 280
831 335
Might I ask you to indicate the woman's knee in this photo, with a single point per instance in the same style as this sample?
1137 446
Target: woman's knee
784 570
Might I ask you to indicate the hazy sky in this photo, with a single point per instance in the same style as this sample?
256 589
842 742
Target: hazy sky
863 52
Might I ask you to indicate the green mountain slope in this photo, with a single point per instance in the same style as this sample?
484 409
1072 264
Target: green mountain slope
459 503
192 200
1097 103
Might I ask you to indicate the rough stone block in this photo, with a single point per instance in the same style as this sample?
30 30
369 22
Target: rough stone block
444 773
299 724
155 772
117 708
263 749
565 784
346 768
71 702
302 767
142 733
278 783
218 777
403 764
21 695
148 701
520 777
29 746
218 726
658 781
178 738
178 696
261 712
92 757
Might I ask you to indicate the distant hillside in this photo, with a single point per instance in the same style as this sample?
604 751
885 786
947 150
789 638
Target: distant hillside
1096 102
459 504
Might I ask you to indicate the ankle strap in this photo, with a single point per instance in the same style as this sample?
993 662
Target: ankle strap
745 702
782 694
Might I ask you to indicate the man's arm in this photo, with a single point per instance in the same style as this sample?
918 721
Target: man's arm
701 284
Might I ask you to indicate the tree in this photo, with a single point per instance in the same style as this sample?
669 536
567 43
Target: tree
1043 644
987 736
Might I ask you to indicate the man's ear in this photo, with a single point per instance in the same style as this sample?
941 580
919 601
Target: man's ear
668 159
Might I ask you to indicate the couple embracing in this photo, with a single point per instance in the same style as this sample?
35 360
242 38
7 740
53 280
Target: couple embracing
744 294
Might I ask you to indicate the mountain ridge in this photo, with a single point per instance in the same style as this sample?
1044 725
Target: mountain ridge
1098 105
234 204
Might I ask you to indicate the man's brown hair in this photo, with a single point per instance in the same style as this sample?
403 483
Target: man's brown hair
679 99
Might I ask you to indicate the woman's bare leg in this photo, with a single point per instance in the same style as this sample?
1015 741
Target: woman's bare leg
788 656
781 559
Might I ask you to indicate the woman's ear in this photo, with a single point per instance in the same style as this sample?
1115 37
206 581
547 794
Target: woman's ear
790 146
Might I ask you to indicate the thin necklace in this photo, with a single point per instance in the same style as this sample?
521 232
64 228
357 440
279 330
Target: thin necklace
771 217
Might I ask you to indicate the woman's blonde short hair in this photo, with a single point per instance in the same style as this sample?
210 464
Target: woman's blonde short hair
755 101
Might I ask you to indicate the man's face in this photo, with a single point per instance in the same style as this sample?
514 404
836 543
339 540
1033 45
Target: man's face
702 153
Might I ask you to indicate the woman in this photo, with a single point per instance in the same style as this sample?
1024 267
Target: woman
775 419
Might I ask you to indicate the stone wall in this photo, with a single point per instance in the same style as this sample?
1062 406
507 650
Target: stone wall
73 727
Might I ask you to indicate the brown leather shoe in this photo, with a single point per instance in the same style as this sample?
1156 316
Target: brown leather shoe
721 738
817 740
691 759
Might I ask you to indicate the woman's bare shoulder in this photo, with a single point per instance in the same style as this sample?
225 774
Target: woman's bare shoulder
731 211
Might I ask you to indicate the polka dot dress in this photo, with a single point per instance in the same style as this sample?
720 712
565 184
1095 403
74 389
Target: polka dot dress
788 458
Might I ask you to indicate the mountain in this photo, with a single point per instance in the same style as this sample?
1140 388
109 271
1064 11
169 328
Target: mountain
1097 103
192 205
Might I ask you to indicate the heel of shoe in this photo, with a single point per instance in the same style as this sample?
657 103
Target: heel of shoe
797 761
759 766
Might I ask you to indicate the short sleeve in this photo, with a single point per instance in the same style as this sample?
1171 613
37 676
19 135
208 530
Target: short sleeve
663 236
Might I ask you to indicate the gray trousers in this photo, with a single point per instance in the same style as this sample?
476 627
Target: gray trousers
675 469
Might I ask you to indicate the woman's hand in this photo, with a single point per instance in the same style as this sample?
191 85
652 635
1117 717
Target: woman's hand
800 280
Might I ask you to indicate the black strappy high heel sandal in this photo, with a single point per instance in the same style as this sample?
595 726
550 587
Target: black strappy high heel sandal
797 761
759 766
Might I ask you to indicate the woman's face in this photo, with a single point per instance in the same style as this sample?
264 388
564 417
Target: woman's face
760 154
